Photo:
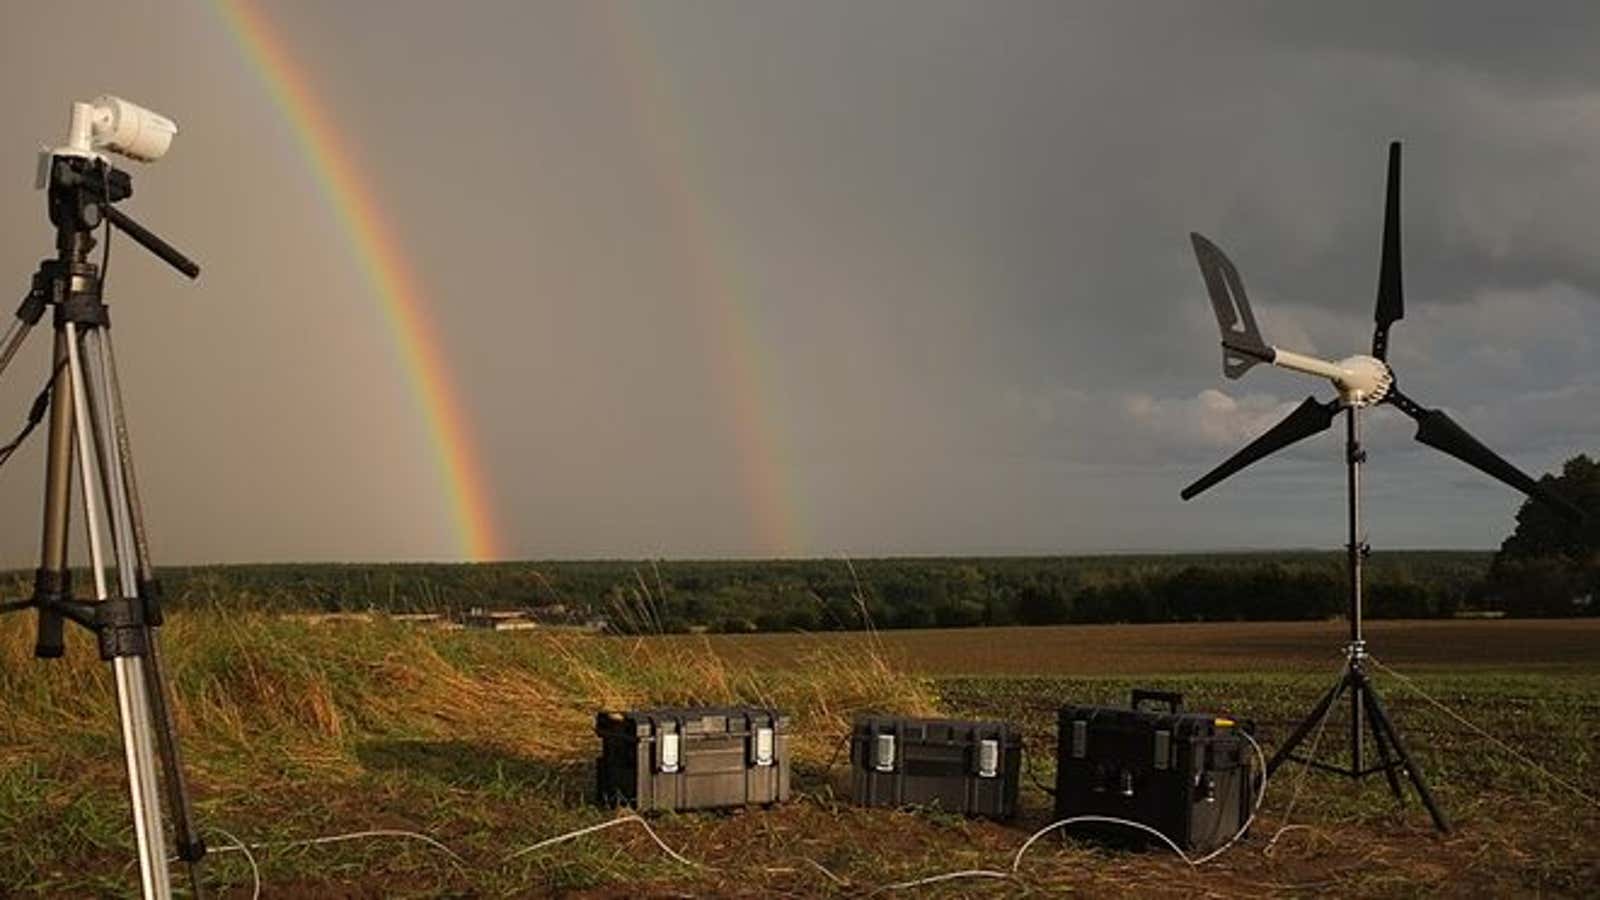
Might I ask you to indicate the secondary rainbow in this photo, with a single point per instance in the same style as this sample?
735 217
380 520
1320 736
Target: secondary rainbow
722 292
334 164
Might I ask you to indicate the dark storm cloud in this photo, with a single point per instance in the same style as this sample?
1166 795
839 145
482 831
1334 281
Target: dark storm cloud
1542 49
952 238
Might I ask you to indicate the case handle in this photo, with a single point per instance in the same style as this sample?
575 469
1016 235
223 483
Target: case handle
1172 699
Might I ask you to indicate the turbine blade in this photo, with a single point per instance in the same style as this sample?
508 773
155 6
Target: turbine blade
1439 431
1391 290
1309 418
1242 346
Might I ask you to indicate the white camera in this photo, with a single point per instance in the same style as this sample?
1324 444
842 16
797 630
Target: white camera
112 123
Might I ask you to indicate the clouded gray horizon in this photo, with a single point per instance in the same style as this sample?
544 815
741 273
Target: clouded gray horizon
941 246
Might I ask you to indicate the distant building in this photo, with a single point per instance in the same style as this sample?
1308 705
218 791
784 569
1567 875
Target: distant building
420 618
498 619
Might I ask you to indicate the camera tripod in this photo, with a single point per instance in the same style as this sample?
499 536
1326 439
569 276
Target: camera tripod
1366 709
87 431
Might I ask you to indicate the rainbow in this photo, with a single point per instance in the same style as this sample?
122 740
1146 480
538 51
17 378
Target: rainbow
335 165
723 298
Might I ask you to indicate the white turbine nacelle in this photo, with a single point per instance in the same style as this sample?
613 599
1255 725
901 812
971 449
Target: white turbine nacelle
1360 380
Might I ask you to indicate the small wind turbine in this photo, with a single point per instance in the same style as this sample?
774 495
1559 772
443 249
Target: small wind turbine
1361 381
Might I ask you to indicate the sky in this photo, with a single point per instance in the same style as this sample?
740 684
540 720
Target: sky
751 279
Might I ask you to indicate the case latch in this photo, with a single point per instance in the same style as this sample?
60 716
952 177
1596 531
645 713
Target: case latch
668 745
761 746
988 758
883 753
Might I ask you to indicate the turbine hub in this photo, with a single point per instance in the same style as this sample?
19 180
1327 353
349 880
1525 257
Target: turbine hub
1367 381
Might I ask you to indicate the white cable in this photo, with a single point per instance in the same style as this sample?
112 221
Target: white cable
824 870
935 879
455 858
1016 861
1300 780
1261 793
255 870
627 817
238 846
1496 741
1267 850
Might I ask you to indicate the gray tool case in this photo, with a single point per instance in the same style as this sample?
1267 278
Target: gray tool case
957 766
1187 775
699 758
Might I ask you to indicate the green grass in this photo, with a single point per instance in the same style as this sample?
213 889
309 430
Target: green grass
484 741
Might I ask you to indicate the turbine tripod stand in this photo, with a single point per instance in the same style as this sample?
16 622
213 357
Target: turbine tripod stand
1365 706
87 431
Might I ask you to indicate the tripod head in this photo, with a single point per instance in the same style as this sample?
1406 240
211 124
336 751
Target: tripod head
82 190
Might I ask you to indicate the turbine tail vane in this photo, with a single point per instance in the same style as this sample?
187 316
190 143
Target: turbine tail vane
1242 346
1391 289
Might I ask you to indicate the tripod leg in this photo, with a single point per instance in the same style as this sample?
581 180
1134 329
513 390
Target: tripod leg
52 580
141 540
191 847
1357 727
132 696
14 336
1381 718
1318 712
1381 740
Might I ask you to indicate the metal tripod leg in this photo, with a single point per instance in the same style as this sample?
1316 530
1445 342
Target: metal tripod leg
1381 740
1380 718
191 847
131 686
52 578
15 334
1304 728
1356 725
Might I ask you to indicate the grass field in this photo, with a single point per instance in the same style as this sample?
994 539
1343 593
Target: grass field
1258 647
483 741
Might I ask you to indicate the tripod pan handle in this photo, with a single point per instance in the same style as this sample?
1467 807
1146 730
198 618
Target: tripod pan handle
147 239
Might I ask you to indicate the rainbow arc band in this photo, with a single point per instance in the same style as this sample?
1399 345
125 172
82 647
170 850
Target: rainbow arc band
335 166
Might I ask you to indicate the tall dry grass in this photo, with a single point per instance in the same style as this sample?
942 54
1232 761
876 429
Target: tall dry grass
269 689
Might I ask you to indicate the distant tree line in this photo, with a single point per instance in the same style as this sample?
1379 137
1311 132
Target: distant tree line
1547 567
823 595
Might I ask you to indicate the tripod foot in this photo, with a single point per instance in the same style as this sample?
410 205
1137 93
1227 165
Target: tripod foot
1380 720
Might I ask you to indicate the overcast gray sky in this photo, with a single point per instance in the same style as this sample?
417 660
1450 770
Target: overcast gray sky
941 247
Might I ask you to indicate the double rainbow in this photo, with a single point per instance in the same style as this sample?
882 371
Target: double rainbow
721 297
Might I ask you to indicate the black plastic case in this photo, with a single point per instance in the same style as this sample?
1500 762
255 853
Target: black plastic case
699 758
957 766
1187 775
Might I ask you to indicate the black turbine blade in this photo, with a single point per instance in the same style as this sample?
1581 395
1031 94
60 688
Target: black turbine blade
1441 432
1242 346
1309 418
1391 290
